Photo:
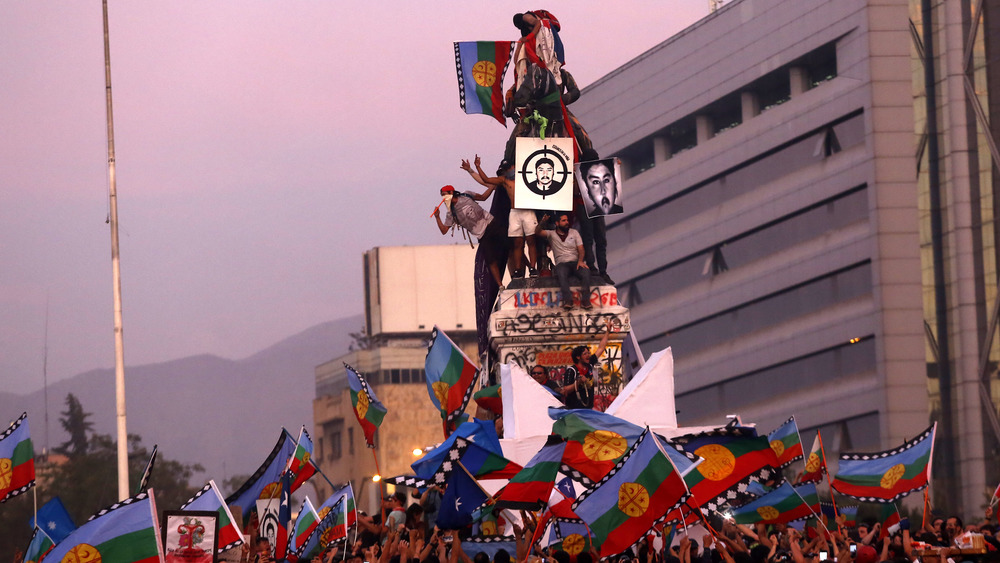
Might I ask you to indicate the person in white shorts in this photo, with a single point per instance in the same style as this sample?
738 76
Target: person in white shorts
522 222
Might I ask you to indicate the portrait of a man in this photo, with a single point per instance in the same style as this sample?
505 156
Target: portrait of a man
543 173
600 185
544 167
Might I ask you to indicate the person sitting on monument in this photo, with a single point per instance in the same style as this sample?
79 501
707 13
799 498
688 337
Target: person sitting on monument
569 258
522 222
578 379
462 210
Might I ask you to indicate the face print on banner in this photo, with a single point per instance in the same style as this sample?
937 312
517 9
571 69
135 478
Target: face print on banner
600 182
543 176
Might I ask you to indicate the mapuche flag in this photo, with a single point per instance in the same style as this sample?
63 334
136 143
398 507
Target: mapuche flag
336 516
531 488
265 483
480 462
481 66
782 505
595 441
815 463
367 408
305 523
38 547
886 476
732 457
786 443
210 498
17 460
125 532
450 377
631 499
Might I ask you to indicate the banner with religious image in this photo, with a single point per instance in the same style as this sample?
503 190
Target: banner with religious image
543 173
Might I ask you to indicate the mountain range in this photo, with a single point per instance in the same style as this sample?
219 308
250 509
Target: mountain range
223 414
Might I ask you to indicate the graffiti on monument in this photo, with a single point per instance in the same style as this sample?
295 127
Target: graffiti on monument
549 298
592 323
557 357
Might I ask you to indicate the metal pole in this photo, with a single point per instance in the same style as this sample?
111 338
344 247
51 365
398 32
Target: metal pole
116 279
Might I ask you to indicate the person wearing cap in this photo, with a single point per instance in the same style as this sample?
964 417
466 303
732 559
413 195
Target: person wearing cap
462 210
521 223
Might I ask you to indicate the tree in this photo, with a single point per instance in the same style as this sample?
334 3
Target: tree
74 421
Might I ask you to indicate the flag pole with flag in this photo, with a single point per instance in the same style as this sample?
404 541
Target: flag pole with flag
147 472
125 532
451 376
481 66
370 412
300 465
887 476
209 498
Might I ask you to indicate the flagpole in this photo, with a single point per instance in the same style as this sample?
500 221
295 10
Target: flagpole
836 514
116 278
381 498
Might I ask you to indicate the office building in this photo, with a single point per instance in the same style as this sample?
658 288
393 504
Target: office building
810 221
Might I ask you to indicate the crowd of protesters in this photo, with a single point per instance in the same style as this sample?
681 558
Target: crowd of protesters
414 538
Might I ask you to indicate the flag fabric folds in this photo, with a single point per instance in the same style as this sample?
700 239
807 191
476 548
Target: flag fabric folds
147 472
337 515
570 536
367 408
306 522
460 501
595 441
815 463
889 517
301 465
636 495
786 443
450 377
54 519
479 461
265 483
886 476
125 532
17 460
284 517
40 544
482 432
210 498
531 488
732 456
481 66
780 506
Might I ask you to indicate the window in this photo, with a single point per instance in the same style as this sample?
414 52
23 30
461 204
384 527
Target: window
843 360
793 302
804 225
332 434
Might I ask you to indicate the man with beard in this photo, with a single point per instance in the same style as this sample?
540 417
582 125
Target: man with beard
601 187
568 256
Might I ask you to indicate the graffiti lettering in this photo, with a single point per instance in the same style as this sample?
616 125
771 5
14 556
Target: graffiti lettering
549 298
559 323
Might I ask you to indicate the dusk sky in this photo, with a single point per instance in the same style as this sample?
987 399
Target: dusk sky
261 148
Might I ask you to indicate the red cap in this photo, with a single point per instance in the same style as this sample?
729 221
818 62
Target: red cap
448 189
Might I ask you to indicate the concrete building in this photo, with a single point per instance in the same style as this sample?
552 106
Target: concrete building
810 221
407 291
